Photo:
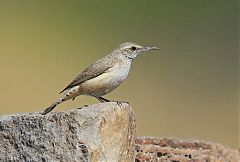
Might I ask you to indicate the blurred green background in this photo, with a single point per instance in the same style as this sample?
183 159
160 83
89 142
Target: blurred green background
188 89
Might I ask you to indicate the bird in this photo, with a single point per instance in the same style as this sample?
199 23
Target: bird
102 76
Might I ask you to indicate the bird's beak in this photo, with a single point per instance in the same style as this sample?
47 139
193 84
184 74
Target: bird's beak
149 48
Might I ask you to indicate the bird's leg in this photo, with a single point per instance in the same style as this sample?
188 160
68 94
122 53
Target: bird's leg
104 99
101 99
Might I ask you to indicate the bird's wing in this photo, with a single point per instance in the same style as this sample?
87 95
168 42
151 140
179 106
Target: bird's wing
94 70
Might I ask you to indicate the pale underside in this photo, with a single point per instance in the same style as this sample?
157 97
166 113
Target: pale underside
107 81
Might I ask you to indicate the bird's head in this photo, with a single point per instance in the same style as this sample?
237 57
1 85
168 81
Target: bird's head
132 50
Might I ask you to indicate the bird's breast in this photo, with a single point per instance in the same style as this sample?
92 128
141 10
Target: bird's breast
119 72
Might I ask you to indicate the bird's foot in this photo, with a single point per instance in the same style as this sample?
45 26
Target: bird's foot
120 103
83 107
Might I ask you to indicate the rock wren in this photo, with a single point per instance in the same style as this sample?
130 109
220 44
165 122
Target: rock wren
102 76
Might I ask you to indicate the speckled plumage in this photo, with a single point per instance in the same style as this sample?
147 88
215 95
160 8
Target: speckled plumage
104 75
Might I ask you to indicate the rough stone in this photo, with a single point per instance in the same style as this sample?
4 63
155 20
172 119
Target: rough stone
102 132
172 150
97 133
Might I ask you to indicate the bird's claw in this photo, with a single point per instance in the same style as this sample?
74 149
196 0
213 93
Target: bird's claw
82 107
120 103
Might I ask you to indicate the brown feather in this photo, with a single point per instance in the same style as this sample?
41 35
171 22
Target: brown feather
94 70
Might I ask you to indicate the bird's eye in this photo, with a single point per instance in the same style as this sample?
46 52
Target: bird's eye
133 48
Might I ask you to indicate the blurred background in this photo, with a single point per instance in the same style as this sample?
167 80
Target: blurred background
188 89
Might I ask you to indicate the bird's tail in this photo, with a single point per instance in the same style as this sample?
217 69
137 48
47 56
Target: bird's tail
70 94
50 108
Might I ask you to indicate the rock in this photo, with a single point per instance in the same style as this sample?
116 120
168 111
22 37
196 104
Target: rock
172 150
102 132
97 133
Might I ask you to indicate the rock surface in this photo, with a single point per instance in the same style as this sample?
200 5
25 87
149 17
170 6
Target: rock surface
97 133
102 132
172 150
